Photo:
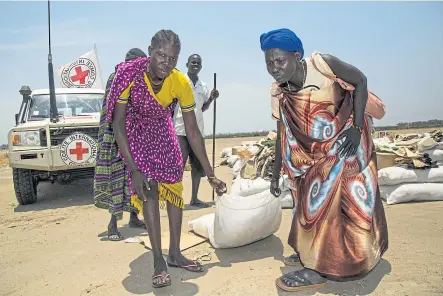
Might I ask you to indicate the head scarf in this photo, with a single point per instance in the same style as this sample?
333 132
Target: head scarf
281 38
134 53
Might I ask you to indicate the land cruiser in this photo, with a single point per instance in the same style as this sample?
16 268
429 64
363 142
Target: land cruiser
61 150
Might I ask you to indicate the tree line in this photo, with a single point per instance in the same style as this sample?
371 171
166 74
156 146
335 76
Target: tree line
413 125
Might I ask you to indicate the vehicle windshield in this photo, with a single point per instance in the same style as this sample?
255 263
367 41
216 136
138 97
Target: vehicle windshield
67 105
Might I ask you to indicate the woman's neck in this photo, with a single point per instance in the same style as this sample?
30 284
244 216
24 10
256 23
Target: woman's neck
155 81
299 76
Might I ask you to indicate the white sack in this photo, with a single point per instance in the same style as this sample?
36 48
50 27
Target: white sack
254 149
202 225
411 192
399 175
242 220
246 187
237 167
286 200
232 160
435 154
226 152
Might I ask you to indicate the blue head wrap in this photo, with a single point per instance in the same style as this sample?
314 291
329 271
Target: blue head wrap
281 38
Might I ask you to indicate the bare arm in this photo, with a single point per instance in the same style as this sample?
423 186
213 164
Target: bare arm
355 77
278 157
207 104
196 141
119 125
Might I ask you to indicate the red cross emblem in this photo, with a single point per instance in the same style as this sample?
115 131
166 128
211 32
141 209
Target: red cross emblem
80 75
79 151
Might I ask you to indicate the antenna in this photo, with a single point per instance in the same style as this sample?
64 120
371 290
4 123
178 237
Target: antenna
52 99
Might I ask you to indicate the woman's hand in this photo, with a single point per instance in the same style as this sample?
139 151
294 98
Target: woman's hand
218 185
275 190
349 147
138 182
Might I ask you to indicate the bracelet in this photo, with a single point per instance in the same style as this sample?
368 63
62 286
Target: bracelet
275 180
211 178
357 127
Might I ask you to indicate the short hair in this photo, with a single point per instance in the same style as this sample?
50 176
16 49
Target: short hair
193 55
165 36
134 53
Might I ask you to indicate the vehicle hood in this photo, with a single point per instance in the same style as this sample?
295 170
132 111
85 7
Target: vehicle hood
90 120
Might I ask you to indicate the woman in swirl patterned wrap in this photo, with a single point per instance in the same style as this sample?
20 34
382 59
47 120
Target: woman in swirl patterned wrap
339 227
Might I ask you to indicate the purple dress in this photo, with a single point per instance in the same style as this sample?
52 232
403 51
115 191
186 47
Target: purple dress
149 126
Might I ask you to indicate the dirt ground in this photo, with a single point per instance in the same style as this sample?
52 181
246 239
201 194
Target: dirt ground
58 246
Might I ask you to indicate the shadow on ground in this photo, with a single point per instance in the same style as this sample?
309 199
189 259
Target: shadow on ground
139 279
362 286
56 196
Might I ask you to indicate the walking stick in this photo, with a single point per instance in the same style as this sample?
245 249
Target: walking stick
213 133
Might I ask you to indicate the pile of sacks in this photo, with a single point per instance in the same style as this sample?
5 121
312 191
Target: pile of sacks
252 166
250 212
417 174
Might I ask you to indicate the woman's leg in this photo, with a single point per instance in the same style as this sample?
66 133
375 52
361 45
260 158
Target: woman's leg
135 222
175 258
151 215
113 233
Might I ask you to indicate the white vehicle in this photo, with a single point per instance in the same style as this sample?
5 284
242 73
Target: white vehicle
43 149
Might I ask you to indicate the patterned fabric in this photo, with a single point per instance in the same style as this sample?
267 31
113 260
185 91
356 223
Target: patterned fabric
149 127
339 228
111 187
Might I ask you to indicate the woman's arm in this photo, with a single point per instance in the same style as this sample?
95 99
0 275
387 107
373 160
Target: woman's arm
278 157
277 165
119 126
197 142
355 77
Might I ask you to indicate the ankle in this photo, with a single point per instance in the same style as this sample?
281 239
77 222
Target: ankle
158 259
174 253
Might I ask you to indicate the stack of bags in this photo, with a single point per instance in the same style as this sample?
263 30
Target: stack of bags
418 173
252 166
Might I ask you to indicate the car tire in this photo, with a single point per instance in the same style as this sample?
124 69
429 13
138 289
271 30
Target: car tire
25 186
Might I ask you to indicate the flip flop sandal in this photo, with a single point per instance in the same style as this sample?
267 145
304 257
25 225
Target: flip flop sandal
166 280
115 237
194 267
201 205
292 262
307 285
141 224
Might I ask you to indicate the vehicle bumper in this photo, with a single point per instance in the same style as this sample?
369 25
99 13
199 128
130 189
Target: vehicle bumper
42 159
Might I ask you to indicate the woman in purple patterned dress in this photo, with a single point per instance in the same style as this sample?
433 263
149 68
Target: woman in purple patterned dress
139 105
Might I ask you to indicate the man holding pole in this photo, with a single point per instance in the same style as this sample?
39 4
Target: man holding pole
203 99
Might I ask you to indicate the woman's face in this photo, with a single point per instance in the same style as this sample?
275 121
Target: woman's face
281 64
163 59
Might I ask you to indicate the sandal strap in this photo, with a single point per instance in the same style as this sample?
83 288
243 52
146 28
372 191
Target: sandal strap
296 277
160 275
195 264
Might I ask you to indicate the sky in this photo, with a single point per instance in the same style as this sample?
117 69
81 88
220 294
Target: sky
398 45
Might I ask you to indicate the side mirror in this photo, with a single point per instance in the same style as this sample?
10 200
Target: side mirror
16 119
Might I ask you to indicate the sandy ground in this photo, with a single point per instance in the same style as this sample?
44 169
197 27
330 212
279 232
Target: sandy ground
58 246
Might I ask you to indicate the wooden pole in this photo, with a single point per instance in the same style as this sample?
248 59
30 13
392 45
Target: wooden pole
213 133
